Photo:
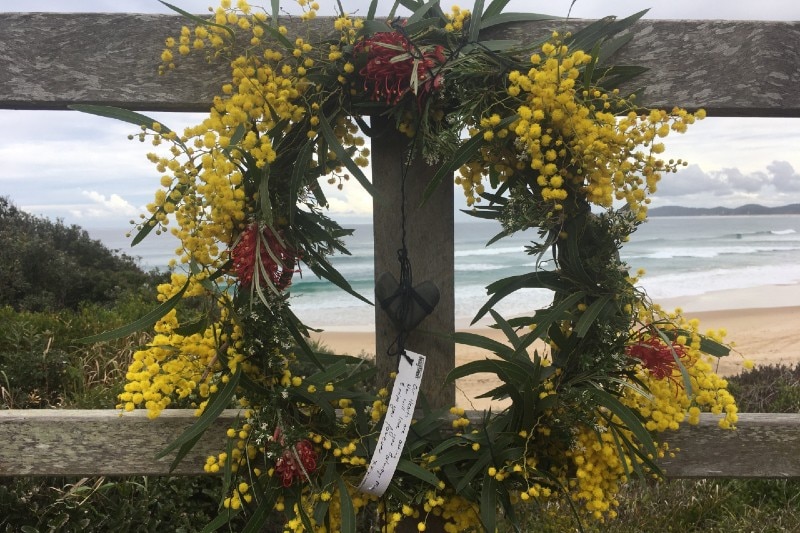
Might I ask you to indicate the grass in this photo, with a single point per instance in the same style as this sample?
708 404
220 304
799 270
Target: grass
40 366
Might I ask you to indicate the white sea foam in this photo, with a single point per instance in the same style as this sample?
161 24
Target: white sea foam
719 279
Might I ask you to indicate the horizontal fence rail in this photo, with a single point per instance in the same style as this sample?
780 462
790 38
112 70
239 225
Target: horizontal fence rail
105 442
731 68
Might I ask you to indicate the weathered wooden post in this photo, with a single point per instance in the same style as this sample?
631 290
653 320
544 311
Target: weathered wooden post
429 240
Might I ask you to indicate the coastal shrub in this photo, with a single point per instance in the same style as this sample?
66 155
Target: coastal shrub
42 364
134 504
47 265
767 389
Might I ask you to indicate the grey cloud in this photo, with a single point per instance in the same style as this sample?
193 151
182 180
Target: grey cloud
692 180
749 183
784 177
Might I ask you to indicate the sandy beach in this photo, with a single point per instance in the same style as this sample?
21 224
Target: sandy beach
762 326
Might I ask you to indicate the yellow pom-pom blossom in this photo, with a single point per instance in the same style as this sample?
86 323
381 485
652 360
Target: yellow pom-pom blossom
573 139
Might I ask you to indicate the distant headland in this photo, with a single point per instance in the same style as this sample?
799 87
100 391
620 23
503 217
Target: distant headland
749 209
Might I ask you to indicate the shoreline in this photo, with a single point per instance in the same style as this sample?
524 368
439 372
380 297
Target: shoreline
761 325
762 335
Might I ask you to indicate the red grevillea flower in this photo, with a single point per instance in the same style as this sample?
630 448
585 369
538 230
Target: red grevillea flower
395 66
288 467
260 252
657 356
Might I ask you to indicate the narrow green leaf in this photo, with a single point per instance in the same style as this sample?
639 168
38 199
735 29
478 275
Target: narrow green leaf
267 496
195 18
545 318
296 328
118 113
263 196
506 328
466 152
137 325
272 29
499 45
328 479
507 371
299 171
371 27
413 469
348 514
477 467
217 403
590 315
498 290
373 6
222 519
341 154
420 13
475 29
495 8
276 11
610 47
707 345
627 416
485 343
489 503
506 18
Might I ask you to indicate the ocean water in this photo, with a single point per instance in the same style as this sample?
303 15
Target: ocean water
682 257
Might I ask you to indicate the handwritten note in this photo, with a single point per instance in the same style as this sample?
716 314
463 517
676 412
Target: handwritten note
395 425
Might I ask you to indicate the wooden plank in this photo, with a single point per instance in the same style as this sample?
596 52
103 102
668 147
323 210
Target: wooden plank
430 242
764 445
48 61
101 442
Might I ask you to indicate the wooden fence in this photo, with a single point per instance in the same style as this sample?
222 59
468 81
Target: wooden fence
49 61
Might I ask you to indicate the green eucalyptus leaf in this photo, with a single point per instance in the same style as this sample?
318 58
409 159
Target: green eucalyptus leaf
508 18
485 343
341 154
495 8
465 153
373 7
272 29
413 469
221 519
141 323
628 417
508 331
475 23
216 405
591 314
507 371
267 496
498 290
478 466
489 503
348 514
198 20
420 13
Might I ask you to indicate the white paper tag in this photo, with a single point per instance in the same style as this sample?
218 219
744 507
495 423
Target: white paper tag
399 413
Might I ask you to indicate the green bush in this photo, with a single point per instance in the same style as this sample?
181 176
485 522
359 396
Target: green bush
138 504
767 389
47 265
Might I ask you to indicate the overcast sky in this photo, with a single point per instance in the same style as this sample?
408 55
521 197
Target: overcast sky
82 168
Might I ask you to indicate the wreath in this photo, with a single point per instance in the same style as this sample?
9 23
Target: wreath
553 144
